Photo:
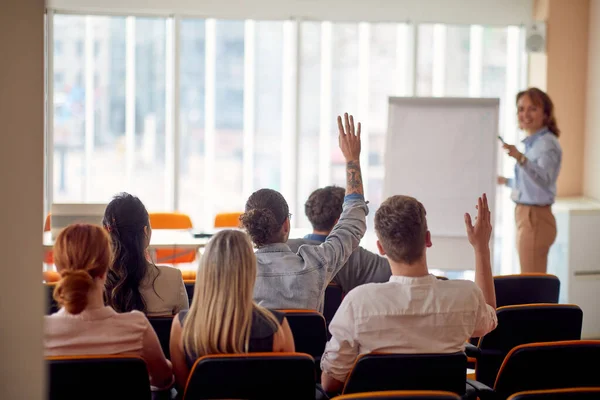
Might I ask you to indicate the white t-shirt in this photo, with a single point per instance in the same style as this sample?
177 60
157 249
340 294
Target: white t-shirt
408 316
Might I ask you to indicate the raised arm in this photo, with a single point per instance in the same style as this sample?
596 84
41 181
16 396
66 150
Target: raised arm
479 237
349 141
346 234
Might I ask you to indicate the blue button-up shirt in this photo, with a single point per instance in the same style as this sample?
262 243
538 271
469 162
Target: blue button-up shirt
535 181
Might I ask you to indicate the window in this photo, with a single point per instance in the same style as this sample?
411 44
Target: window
109 109
256 105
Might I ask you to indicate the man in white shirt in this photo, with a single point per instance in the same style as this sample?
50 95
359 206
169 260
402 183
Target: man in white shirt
414 312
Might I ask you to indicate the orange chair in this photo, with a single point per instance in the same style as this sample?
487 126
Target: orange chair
48 255
228 220
189 275
401 394
172 220
50 276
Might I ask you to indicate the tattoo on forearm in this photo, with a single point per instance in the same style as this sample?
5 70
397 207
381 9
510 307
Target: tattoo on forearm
354 183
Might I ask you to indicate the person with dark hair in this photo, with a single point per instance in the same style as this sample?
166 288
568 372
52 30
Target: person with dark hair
289 279
134 282
534 184
84 325
414 312
323 209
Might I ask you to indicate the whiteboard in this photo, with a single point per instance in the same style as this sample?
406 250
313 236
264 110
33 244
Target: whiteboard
442 151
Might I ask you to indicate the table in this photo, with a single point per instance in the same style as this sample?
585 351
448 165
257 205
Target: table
161 239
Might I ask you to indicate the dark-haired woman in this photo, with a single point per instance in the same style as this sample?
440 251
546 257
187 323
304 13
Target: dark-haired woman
134 282
534 184
298 280
83 325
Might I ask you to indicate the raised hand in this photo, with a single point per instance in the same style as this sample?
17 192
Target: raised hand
349 139
479 235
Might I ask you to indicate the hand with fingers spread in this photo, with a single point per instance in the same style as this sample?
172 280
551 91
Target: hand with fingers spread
349 138
479 234
349 141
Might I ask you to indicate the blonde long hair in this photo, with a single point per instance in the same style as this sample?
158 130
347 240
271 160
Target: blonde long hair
220 317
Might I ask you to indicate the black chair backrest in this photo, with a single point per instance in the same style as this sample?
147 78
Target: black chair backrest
559 394
162 327
401 395
51 304
554 365
522 324
98 377
189 288
309 330
526 289
252 376
333 299
379 371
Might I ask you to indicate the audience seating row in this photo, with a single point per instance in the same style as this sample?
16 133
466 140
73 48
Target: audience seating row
530 371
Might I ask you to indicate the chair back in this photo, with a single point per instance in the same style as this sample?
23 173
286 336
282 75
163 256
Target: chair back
51 304
522 324
50 276
48 254
189 288
162 327
526 289
309 330
592 393
332 301
252 376
380 371
172 220
554 365
112 377
228 220
401 395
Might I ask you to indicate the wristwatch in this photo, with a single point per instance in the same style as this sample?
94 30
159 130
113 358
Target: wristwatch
522 159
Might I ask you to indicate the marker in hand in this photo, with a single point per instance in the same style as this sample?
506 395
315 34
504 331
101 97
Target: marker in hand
502 140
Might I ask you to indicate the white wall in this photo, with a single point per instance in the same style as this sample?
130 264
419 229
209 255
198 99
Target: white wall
592 127
485 12
21 185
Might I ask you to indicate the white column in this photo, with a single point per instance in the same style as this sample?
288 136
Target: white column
249 107
405 71
475 60
289 117
130 100
325 117
89 107
439 60
172 149
49 123
364 35
209 129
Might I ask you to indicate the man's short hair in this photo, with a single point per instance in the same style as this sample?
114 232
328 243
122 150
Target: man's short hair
401 227
324 207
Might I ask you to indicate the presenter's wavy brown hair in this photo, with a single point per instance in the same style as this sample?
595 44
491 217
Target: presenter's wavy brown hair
541 99
82 253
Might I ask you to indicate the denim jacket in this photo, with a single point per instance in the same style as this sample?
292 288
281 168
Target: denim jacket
298 280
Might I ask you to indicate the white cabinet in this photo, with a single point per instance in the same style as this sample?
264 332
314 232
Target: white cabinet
575 258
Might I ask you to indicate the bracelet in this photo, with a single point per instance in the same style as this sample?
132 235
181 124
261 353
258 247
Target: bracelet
522 159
